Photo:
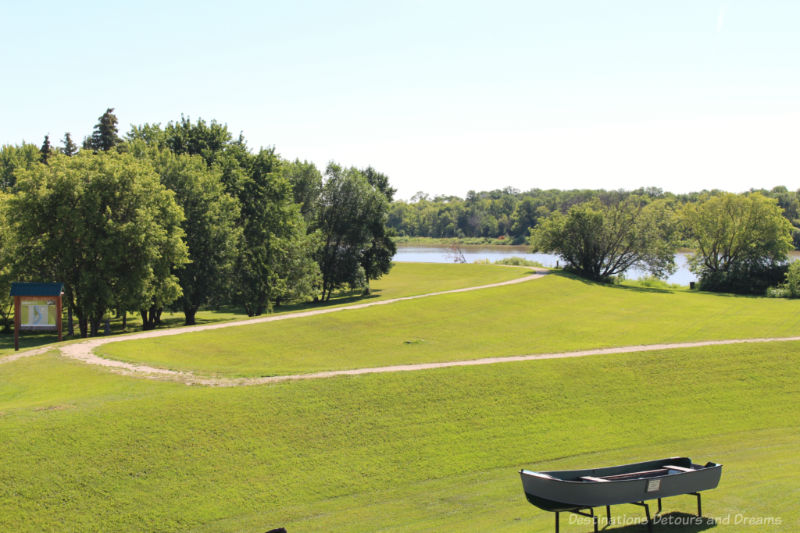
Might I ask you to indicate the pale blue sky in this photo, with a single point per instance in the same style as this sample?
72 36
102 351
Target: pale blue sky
442 96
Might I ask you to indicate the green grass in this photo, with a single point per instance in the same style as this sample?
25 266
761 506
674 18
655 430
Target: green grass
552 314
405 279
410 279
439 450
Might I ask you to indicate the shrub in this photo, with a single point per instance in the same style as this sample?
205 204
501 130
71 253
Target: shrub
790 288
744 279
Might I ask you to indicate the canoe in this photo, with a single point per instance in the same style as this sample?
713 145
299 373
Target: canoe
574 490
581 489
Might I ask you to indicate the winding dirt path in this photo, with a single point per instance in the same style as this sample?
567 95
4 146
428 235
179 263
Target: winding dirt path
84 351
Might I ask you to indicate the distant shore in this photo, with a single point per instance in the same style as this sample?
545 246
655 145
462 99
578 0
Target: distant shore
479 242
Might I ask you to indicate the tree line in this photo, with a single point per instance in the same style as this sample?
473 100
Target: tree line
183 216
510 214
740 241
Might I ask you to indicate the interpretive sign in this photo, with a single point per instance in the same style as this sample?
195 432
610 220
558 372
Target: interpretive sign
37 307
38 314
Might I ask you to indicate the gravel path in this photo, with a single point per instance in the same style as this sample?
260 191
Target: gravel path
84 350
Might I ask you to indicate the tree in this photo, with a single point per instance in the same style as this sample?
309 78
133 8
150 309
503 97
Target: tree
741 241
599 241
14 159
46 149
525 216
212 141
211 234
6 302
790 288
298 277
351 218
205 139
306 182
70 148
376 257
101 224
271 223
105 135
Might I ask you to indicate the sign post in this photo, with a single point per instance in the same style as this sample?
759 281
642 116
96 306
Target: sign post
37 307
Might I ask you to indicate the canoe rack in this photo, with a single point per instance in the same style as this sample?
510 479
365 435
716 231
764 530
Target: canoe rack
589 511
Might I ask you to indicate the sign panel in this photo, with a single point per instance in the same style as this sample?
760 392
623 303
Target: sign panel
38 314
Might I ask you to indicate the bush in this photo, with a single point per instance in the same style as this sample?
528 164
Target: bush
747 279
790 288
777 292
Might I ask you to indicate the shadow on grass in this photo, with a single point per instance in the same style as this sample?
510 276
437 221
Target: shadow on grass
675 521
575 277
656 290
26 341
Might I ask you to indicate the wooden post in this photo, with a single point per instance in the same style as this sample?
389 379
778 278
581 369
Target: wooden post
17 322
58 316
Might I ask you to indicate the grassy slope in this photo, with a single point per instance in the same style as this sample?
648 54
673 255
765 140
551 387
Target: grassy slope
425 451
555 313
405 279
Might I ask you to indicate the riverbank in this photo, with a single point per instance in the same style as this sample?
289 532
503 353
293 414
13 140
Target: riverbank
459 241
486 242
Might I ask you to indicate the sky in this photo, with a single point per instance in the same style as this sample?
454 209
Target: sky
443 97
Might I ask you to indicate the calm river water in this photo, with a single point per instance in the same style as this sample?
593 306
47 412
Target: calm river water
434 254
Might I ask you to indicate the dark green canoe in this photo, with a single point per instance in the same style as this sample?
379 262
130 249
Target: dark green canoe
574 490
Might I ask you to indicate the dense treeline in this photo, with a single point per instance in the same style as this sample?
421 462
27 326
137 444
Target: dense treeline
184 216
510 214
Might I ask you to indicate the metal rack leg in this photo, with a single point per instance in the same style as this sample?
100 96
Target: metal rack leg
659 506
556 521
699 504
590 514
608 514
647 513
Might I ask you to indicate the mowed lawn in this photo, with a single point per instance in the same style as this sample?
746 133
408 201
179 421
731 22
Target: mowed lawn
552 314
405 279
439 450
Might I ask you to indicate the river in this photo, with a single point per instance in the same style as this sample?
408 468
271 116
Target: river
436 254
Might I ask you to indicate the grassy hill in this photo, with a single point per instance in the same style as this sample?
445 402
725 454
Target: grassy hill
437 450
405 279
556 313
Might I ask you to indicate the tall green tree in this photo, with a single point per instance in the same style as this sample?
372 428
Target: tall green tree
274 260
106 133
70 148
14 159
351 219
306 182
46 149
271 223
376 257
599 241
206 139
101 224
210 227
6 259
210 140
741 242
